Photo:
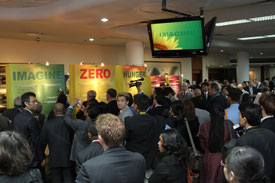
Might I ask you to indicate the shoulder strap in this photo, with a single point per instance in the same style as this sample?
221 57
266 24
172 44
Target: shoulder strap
230 127
190 137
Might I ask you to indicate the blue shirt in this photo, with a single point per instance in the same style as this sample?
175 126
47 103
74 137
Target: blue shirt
233 113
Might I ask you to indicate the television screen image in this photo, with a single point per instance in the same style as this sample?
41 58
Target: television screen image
180 37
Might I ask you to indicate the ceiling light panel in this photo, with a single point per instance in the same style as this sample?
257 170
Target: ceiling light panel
249 20
257 37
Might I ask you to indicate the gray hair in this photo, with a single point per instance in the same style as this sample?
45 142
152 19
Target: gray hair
91 93
17 102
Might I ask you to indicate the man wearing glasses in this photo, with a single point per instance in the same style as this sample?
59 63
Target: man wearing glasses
26 124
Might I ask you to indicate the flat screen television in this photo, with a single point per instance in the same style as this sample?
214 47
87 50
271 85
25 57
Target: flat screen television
209 32
177 37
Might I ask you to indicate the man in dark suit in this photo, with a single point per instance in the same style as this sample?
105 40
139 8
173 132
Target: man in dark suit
142 131
80 127
216 98
267 103
92 150
112 104
91 100
11 113
116 164
251 89
26 124
58 135
259 138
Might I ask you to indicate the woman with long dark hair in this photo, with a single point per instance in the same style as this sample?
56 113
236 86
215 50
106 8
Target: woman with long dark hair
188 112
15 160
244 165
172 166
213 136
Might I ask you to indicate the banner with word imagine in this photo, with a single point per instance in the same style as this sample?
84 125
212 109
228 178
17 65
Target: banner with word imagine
44 81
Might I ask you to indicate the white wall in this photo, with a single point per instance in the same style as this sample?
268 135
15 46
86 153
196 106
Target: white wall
21 51
257 70
213 60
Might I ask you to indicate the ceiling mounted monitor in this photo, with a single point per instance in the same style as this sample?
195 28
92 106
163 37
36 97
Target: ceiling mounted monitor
177 37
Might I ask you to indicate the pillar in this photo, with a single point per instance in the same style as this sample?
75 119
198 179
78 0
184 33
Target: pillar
242 67
134 52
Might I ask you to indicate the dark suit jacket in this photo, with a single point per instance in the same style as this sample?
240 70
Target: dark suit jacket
169 170
25 124
217 99
112 107
59 136
92 150
11 113
255 91
115 165
262 140
141 135
269 123
80 128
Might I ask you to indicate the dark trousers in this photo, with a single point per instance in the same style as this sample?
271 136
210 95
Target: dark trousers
61 174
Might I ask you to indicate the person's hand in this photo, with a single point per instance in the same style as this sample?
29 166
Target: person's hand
75 102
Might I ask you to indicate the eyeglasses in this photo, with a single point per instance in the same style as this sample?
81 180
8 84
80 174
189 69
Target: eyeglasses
222 164
34 101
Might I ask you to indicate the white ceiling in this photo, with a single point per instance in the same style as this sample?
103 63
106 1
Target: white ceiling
75 21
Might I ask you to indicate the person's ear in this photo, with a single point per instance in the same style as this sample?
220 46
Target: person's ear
101 141
127 102
232 176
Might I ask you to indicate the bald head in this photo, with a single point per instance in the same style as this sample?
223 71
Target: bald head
59 109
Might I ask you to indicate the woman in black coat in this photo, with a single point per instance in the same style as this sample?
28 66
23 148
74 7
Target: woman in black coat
172 166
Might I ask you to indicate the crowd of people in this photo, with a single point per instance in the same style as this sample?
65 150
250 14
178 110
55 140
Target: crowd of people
144 138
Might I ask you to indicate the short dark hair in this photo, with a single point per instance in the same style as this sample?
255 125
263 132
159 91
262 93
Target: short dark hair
26 97
174 144
252 112
111 92
62 99
92 129
167 91
4 123
205 84
131 100
142 101
177 107
268 103
124 94
15 154
103 107
93 111
247 164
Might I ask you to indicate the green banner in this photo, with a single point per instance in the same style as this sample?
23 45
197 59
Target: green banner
177 35
44 81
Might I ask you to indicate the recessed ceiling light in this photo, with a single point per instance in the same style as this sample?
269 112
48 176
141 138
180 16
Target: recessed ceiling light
104 20
261 53
257 37
222 51
248 20
91 39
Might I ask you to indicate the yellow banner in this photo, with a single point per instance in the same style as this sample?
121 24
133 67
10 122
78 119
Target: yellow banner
91 77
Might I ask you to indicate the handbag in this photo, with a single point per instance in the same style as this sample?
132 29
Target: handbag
195 158
232 142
